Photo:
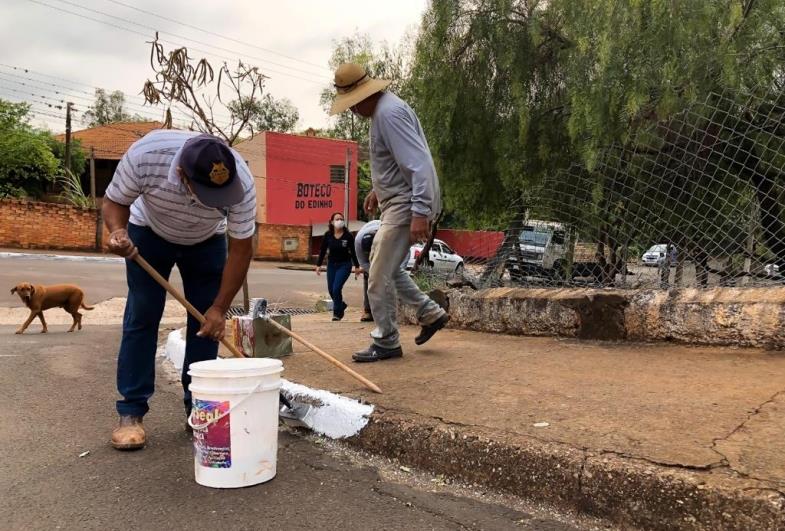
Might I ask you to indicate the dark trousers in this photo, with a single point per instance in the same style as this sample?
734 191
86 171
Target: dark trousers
337 274
201 269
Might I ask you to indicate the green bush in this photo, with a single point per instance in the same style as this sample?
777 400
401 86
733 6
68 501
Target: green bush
27 164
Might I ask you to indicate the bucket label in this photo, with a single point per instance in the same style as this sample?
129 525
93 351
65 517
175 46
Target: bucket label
213 445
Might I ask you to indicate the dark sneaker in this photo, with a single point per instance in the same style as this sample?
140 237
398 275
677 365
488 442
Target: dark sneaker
336 318
428 331
377 353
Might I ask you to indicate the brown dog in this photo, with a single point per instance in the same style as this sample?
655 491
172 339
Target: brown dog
40 298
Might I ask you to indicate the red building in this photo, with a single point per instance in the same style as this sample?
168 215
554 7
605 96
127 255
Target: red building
300 179
300 182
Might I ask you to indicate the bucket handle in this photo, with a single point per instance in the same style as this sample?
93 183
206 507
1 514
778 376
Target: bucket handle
259 387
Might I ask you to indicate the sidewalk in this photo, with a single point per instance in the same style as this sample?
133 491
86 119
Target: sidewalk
655 435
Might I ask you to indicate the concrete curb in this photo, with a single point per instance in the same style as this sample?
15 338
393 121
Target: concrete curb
62 257
625 490
749 317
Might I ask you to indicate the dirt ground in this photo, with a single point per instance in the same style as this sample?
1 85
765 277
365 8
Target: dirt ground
663 403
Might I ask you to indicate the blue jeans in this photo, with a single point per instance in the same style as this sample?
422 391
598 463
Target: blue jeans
201 268
337 274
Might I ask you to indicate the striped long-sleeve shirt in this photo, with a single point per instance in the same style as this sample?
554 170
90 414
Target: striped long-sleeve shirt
147 180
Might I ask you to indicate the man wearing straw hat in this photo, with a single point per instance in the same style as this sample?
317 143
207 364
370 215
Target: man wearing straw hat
406 188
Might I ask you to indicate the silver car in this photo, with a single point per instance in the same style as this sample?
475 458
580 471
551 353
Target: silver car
442 259
656 255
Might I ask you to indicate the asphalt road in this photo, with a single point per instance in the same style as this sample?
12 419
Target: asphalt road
59 397
104 280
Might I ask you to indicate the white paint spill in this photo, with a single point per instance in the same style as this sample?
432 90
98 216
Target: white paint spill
333 416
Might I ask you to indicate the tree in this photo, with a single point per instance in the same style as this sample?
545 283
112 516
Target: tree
26 163
181 79
513 93
78 157
270 114
108 108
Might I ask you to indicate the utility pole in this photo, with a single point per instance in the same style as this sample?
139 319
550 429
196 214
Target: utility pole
346 173
68 106
92 174
99 223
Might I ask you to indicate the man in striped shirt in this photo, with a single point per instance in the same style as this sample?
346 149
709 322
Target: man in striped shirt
172 199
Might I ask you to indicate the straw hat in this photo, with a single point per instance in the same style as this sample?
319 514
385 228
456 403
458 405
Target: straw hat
354 85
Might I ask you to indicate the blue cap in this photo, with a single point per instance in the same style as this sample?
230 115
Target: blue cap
211 169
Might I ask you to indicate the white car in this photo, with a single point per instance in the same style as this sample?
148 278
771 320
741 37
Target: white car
442 259
656 255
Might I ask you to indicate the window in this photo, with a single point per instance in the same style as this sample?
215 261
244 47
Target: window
447 249
558 237
530 237
337 174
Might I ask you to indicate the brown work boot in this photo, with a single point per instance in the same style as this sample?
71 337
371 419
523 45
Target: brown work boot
129 433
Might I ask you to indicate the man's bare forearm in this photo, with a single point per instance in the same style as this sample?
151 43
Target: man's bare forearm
240 254
115 215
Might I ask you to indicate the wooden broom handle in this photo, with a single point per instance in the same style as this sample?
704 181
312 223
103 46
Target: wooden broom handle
236 353
176 294
357 376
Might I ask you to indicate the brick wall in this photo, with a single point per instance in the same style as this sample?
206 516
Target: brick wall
272 240
34 225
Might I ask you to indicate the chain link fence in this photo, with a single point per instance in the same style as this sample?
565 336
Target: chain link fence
694 201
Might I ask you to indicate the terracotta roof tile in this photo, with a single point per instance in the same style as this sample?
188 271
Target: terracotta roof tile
113 140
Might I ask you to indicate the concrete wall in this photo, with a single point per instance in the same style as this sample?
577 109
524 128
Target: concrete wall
752 317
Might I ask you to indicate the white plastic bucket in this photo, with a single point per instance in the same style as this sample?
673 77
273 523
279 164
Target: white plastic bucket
235 420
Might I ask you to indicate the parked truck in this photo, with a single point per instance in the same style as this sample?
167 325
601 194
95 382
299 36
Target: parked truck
551 249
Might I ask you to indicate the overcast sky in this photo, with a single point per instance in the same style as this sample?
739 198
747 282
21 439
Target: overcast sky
84 53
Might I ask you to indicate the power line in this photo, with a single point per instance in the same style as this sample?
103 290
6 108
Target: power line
124 28
322 67
151 28
61 79
144 111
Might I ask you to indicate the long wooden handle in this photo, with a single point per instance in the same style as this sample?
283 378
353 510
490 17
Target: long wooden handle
357 376
176 294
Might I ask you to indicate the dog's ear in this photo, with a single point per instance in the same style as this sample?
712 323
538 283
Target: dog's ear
13 290
32 289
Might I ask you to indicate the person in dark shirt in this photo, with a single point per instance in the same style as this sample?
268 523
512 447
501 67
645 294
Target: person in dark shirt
340 244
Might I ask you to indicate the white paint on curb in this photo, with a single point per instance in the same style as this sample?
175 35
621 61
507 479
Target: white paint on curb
332 415
64 257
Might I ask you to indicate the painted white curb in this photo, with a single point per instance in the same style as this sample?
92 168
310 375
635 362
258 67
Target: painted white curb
64 257
332 415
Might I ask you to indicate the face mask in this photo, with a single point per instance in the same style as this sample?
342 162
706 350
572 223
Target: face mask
338 224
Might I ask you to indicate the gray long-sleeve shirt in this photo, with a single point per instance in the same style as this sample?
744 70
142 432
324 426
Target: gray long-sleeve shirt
404 177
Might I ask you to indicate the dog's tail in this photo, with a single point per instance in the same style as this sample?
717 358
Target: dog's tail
86 307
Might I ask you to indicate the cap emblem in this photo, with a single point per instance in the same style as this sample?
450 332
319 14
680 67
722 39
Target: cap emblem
219 174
